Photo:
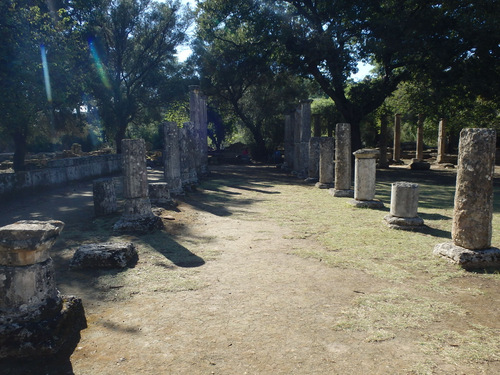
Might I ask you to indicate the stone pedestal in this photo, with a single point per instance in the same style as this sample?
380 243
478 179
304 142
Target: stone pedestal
137 215
104 195
471 228
326 163
343 154
35 320
314 159
365 178
404 207
172 159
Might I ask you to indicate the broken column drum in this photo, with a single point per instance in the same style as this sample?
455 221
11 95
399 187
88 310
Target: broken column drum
104 195
364 179
137 215
472 217
35 320
326 162
404 207
342 161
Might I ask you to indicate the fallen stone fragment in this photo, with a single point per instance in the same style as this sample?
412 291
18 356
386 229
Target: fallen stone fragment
105 255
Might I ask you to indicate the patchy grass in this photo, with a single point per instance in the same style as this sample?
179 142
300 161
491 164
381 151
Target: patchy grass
422 285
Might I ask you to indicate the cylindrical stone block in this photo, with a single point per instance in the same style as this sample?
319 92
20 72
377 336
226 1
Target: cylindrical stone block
326 160
343 156
159 193
104 195
404 199
135 182
473 209
365 174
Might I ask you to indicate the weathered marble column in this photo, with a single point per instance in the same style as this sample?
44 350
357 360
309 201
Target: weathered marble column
172 158
326 162
404 207
382 162
198 117
471 228
397 139
314 157
365 169
192 155
289 142
316 125
297 157
35 320
342 161
441 151
305 135
137 215
418 162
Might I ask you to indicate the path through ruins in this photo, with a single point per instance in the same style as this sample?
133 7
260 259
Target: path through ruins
240 301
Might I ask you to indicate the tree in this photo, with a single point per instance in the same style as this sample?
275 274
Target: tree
325 40
238 73
132 44
34 66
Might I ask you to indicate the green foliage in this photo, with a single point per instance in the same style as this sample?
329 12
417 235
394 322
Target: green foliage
177 112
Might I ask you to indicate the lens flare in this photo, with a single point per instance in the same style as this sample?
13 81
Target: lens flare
46 76
99 66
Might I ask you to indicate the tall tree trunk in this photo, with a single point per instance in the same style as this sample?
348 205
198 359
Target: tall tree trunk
20 150
260 151
119 136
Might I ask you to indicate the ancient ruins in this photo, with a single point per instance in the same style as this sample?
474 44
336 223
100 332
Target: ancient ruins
472 217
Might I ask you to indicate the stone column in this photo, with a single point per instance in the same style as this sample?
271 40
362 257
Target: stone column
364 179
418 163
316 125
404 207
305 135
397 139
342 161
314 157
191 151
382 162
326 162
104 195
289 142
204 136
172 158
441 152
137 215
471 228
35 320
297 157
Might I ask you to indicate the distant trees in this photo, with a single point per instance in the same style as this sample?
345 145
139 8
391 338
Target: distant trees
117 55
446 42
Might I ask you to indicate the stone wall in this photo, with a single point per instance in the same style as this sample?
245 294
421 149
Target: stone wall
61 171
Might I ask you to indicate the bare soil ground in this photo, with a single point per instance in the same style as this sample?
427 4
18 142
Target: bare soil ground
224 290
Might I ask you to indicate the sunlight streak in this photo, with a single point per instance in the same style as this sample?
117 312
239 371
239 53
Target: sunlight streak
46 76
99 66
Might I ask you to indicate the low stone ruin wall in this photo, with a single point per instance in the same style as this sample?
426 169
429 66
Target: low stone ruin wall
61 171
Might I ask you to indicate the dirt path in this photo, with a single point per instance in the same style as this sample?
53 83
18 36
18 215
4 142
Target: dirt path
245 305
